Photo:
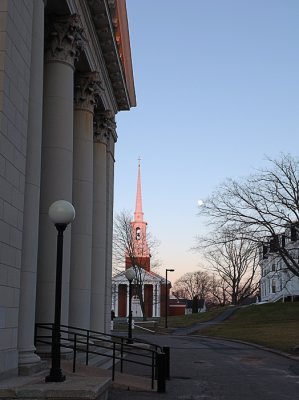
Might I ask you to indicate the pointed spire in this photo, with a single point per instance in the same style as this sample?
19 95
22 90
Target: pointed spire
138 214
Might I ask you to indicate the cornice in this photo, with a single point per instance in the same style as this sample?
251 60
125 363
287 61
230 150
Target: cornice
93 52
102 20
101 50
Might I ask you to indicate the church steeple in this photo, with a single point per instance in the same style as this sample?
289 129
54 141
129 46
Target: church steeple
138 214
138 226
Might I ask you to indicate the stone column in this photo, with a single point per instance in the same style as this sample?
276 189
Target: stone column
158 300
27 357
86 93
116 300
109 219
99 234
63 44
154 308
128 299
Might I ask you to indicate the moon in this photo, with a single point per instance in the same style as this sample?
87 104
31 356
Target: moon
199 203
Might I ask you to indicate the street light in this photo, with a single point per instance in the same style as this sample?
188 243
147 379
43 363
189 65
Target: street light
130 275
166 297
61 213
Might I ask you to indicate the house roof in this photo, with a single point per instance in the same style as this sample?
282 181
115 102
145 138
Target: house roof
149 277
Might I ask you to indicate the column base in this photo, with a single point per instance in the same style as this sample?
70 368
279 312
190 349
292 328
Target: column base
28 356
55 376
30 363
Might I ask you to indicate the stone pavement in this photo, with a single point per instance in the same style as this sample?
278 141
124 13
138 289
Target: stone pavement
85 383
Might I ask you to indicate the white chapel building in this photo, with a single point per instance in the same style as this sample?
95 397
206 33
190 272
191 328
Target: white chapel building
154 288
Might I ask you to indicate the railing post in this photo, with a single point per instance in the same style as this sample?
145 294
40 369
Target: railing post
87 348
153 369
113 362
121 355
161 381
75 353
166 351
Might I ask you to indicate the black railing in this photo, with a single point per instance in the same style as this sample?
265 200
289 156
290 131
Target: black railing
97 343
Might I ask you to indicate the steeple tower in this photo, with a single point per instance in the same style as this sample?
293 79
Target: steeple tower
138 214
138 226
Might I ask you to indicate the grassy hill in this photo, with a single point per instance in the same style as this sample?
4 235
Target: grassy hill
273 325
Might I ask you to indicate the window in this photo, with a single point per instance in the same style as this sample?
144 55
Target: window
138 233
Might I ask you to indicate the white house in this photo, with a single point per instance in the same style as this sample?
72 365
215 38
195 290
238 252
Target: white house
277 281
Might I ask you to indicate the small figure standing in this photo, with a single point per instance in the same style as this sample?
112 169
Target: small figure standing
112 318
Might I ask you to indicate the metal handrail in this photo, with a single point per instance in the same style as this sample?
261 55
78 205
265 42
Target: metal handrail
144 329
87 341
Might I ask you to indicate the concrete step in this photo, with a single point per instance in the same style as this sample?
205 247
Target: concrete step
103 360
121 380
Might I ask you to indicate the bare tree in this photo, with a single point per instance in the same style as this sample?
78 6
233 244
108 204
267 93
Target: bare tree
234 260
192 284
127 250
264 207
219 292
202 285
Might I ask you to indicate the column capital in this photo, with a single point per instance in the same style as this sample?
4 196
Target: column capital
87 91
104 127
64 39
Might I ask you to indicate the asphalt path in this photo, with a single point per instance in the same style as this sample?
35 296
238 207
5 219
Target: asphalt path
226 314
212 369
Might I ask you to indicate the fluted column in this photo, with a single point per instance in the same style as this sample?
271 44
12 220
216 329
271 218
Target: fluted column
98 274
32 193
63 44
86 92
109 219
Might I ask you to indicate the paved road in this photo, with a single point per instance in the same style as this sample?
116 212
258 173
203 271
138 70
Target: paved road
211 369
201 325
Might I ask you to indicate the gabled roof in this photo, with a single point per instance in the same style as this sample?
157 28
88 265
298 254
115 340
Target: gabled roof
149 276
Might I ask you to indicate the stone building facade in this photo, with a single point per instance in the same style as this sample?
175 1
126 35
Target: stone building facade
65 72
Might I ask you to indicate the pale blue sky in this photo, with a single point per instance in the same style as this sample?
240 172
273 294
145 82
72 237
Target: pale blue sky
217 86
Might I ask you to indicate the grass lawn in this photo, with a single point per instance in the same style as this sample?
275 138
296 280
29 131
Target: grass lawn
273 325
172 322
181 321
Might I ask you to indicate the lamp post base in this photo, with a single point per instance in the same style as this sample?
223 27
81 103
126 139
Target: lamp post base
55 376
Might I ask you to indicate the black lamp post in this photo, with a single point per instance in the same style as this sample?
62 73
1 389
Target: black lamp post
61 214
166 297
130 275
